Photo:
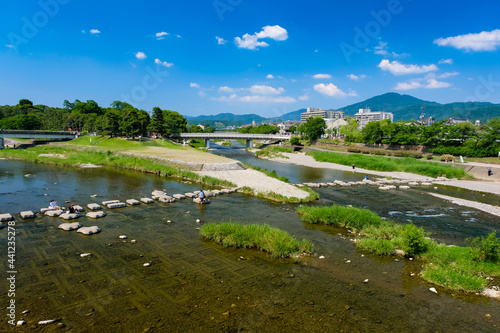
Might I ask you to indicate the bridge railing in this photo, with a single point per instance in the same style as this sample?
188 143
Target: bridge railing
231 135
4 132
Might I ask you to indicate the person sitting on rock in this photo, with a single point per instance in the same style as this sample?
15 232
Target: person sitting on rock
53 204
203 198
71 209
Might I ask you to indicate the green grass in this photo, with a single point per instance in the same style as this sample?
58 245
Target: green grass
76 157
272 174
105 142
273 151
262 237
380 163
453 267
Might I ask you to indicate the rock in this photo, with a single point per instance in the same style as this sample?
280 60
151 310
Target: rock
166 198
93 195
426 184
89 230
365 281
435 187
404 187
146 264
433 290
331 184
311 185
155 197
93 206
179 196
133 202
209 194
85 255
70 216
54 213
190 195
28 214
168 221
322 257
6 217
78 208
413 183
147 200
227 191
345 184
348 262
20 323
122 237
133 241
400 252
45 322
198 221
105 203
70 226
116 205
43 210
96 215
158 193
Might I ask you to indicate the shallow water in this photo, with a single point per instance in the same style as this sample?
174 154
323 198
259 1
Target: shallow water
198 286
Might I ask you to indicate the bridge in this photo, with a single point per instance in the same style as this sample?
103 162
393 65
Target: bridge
15 134
234 136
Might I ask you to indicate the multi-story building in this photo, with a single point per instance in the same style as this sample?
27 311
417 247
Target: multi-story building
325 114
364 116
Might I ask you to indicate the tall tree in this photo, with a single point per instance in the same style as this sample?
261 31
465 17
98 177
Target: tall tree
157 123
313 128
130 124
175 123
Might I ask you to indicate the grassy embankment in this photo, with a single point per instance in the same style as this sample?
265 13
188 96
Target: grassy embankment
108 153
273 151
453 267
259 236
403 164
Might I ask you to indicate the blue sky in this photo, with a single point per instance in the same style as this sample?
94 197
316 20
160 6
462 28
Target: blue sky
248 56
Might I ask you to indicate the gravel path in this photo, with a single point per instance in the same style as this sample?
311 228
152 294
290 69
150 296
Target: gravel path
494 210
257 181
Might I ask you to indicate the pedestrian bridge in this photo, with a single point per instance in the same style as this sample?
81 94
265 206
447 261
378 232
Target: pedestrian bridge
234 136
21 134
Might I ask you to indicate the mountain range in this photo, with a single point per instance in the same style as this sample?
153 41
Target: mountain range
404 107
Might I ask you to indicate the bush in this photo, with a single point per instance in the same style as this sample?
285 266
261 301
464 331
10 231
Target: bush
486 248
428 156
295 141
414 241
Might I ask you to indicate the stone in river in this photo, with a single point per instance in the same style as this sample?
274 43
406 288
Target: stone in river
96 215
147 200
116 205
69 216
6 217
70 226
27 214
89 230
93 206
105 203
179 196
54 213
133 202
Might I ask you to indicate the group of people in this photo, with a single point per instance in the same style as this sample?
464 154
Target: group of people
71 209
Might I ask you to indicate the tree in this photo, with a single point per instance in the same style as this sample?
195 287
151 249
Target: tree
157 123
313 128
175 123
29 122
109 123
350 131
195 129
130 124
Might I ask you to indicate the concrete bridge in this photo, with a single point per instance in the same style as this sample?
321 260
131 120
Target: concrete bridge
21 134
234 136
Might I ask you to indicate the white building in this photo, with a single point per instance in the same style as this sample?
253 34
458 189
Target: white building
325 114
364 116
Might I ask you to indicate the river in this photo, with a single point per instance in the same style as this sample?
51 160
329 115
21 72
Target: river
198 286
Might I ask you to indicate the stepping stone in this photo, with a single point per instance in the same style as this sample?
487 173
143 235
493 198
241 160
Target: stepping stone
345 184
78 208
53 213
158 193
190 195
156 197
96 215
70 226
166 199
227 191
331 184
209 194
217 192
27 214
71 216
105 203
404 187
43 210
413 183
426 184
116 205
147 200
133 202
6 217
312 185
93 206
323 184
179 196
89 230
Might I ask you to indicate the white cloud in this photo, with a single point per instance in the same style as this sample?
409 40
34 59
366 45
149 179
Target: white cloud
434 84
397 68
226 89
94 31
408 85
322 76
202 93
316 51
9 46
161 35
265 90
447 74
483 41
220 40
304 98
163 63
329 90
83 31
140 55
381 48
255 99
356 77
178 36
446 61
251 42
194 85
270 76
415 84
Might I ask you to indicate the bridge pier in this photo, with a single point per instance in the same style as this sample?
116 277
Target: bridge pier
1 143
207 143
249 143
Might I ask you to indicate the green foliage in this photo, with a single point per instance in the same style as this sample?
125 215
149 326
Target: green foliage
486 247
295 140
312 129
350 131
414 242
261 129
259 236
341 216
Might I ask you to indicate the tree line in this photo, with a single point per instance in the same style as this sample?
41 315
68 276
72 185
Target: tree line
119 119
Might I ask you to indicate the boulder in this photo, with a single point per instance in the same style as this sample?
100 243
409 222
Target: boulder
345 184
426 183
133 202
89 230
70 226
27 214
53 212
190 195
6 217
96 215
404 187
43 210
78 208
413 183
69 216
155 197
158 193
179 196
93 206
147 200
105 203
167 199
116 205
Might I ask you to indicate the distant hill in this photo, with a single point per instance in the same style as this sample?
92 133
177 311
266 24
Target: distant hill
294 115
226 119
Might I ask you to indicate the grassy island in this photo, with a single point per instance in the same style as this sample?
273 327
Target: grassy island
402 164
276 242
453 267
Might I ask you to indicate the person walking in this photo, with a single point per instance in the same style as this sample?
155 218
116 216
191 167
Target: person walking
353 168
490 172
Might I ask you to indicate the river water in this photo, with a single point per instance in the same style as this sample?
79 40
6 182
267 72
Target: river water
198 286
